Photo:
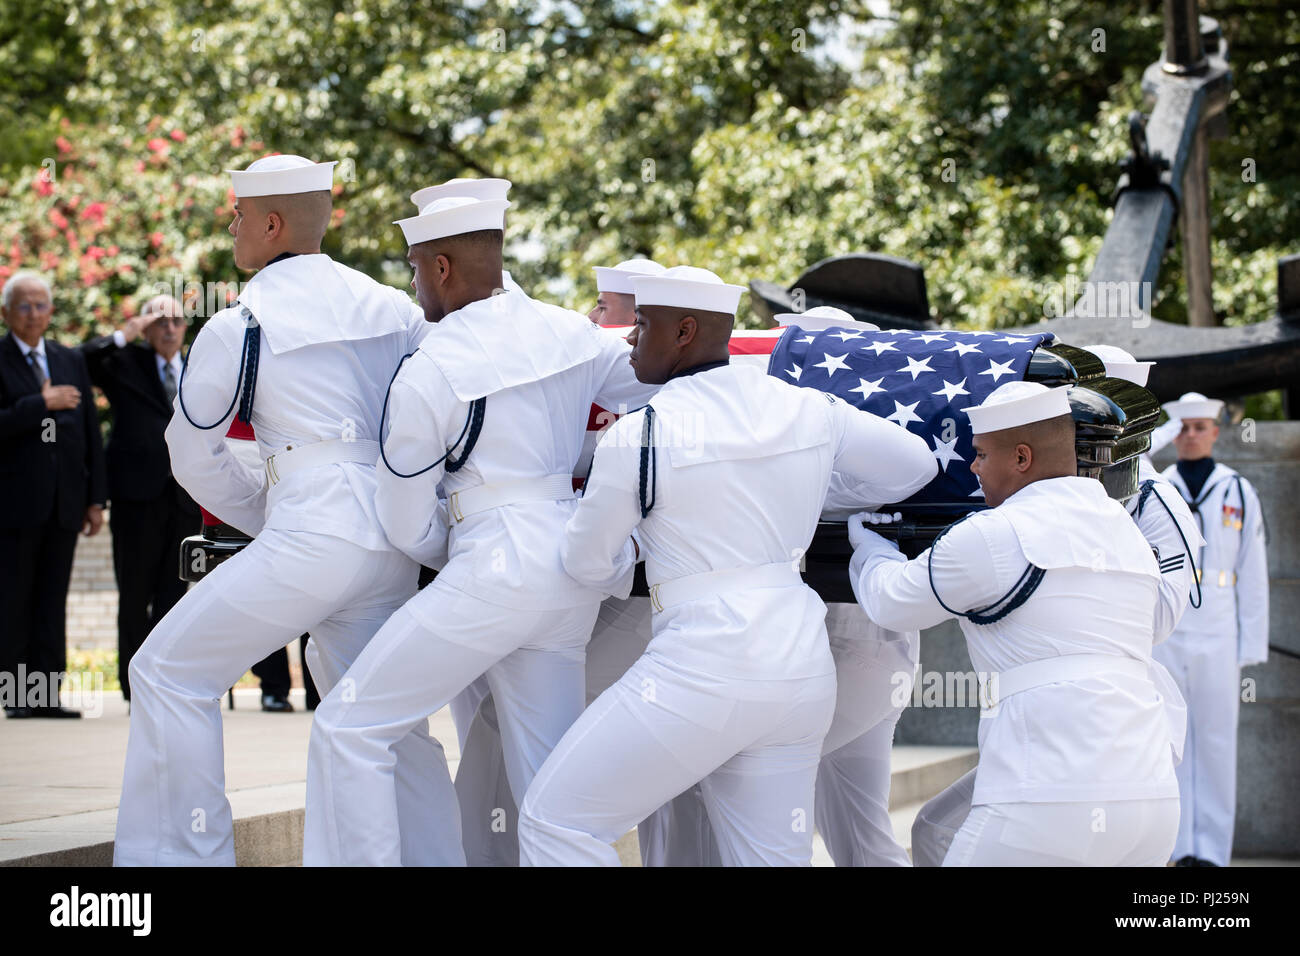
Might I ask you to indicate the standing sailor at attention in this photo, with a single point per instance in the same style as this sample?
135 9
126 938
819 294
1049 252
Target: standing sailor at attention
1228 631
304 356
1055 590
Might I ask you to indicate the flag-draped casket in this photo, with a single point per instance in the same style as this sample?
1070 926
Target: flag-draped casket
921 381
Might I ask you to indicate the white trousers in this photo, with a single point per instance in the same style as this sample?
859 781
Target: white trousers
950 832
874 672
173 809
874 675
429 651
752 745
1209 678
489 814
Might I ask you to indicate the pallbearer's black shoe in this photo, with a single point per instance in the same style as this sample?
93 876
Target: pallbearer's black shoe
56 711
18 713
276 705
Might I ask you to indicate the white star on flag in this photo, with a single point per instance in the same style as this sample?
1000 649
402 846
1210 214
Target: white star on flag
945 451
845 336
868 388
929 337
916 368
904 413
951 391
807 339
998 369
881 347
961 348
794 371
1013 339
833 363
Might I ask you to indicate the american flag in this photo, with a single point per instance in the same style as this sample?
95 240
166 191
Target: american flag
921 381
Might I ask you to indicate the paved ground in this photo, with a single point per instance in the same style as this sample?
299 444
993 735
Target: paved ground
60 779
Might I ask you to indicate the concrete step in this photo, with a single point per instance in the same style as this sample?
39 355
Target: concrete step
60 782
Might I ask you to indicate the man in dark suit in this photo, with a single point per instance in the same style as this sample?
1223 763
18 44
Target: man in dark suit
151 513
52 485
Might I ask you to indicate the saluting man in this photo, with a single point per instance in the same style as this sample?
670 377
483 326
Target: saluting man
489 412
737 687
304 355
151 514
1213 642
1055 589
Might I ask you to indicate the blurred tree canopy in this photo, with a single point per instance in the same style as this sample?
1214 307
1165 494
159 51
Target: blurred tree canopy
751 137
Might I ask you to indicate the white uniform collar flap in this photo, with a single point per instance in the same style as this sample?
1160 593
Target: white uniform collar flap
731 414
1071 522
508 340
310 300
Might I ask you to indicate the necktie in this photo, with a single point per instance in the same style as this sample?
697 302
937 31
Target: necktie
35 363
169 382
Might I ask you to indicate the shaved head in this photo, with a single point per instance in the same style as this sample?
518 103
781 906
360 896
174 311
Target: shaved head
667 339
714 327
267 226
306 215
456 270
1008 460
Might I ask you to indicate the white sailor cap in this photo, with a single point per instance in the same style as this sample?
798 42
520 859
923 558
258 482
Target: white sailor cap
453 216
686 287
619 278
473 188
823 317
1194 405
281 176
1120 364
1018 403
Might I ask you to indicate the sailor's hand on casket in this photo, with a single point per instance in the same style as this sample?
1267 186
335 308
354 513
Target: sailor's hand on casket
861 535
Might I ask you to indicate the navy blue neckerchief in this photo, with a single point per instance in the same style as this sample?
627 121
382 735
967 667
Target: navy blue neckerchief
649 455
246 381
1194 474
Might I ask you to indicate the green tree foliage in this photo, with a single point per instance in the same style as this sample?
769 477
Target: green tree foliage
752 137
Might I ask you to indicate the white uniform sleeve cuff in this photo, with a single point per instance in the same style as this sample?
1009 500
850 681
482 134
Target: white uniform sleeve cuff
119 339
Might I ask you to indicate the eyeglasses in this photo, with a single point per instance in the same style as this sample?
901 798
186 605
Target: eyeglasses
176 320
26 308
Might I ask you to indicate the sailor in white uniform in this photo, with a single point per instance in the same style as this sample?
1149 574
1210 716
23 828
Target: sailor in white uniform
488 814
874 671
1169 528
305 355
1228 631
1056 593
1161 513
489 414
737 688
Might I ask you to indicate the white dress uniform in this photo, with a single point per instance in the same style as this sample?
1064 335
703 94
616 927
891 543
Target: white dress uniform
1169 528
1206 652
502 603
320 561
940 819
1080 729
736 689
